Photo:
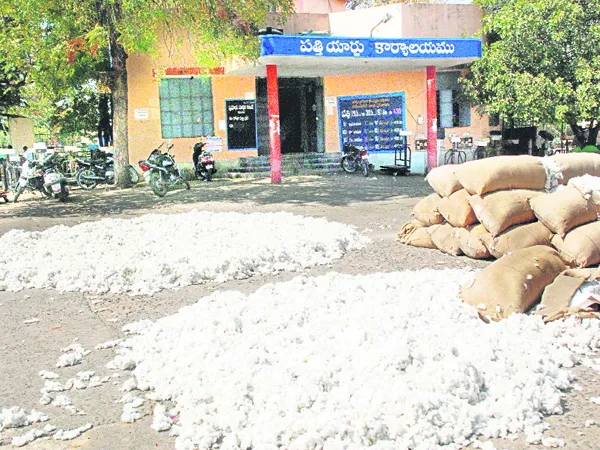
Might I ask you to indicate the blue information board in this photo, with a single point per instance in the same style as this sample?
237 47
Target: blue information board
339 47
372 122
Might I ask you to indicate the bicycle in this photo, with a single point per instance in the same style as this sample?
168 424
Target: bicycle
455 155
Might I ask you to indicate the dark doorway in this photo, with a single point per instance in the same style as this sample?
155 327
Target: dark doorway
300 112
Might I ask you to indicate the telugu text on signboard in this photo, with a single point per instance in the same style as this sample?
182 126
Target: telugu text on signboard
241 124
372 122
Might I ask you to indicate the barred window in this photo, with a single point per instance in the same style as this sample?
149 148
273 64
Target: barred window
186 108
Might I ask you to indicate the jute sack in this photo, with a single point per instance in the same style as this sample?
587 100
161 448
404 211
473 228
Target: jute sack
518 237
563 210
470 241
556 299
420 238
500 210
577 164
502 172
443 181
426 211
588 191
408 228
457 210
581 244
445 238
514 282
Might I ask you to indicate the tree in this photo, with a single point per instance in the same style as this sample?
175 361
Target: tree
55 37
541 64
12 80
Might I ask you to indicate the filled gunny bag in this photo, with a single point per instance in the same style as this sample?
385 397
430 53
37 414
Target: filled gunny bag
514 282
500 210
426 211
501 173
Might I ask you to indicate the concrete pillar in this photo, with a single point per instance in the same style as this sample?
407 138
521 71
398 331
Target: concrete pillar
274 127
431 119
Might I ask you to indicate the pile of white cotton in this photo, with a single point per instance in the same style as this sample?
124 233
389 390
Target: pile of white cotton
553 173
154 252
587 184
380 361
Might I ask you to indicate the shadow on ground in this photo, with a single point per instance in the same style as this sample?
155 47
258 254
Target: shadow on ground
330 190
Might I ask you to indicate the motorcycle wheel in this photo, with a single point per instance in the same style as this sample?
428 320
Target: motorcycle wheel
134 175
46 191
365 169
17 194
62 197
206 175
84 181
158 185
348 164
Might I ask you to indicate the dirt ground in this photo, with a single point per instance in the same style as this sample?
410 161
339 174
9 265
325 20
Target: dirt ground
377 206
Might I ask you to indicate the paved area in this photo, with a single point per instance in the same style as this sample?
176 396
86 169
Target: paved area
377 206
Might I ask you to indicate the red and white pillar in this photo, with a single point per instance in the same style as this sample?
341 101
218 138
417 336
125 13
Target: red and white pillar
432 124
274 128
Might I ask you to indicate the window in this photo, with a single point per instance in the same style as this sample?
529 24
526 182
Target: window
453 111
186 108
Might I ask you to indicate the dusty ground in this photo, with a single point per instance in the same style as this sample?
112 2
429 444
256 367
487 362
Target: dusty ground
377 206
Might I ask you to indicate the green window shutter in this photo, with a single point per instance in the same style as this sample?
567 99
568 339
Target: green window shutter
186 107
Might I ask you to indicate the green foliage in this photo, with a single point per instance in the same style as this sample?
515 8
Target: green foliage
65 45
542 63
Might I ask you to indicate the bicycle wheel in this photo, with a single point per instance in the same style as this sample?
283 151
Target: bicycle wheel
85 179
479 153
449 157
462 157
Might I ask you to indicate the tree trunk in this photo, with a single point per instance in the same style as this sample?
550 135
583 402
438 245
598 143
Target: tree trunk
579 134
593 136
585 137
119 97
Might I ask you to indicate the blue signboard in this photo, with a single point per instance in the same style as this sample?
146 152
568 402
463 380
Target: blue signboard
372 122
327 46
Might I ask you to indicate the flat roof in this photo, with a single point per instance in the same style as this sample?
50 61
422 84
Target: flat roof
310 56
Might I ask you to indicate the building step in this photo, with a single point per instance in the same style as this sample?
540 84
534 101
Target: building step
305 160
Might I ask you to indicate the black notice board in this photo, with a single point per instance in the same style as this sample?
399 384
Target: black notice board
372 122
240 117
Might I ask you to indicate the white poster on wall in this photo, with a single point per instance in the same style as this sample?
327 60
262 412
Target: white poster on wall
330 103
214 144
140 113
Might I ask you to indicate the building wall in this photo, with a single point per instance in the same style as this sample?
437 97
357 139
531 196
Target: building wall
409 20
145 135
411 83
320 6
440 20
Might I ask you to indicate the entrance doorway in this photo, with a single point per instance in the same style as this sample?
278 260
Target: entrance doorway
300 115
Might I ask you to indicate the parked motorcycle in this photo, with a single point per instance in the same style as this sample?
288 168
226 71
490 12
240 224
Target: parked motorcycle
42 177
355 158
161 172
100 169
204 163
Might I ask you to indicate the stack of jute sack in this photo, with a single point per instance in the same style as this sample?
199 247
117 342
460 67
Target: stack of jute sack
539 216
496 206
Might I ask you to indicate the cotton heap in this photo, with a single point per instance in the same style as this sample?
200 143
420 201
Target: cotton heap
354 362
165 251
